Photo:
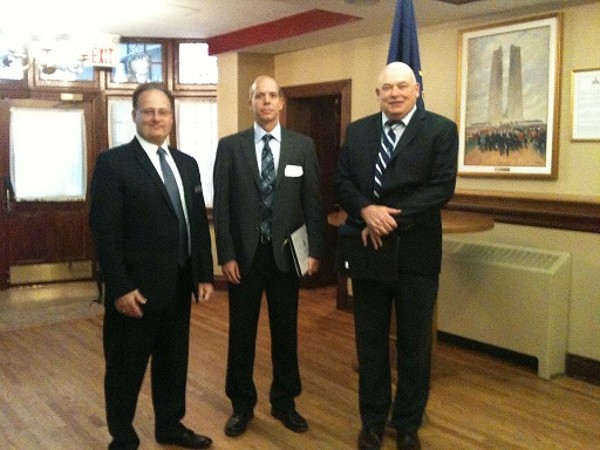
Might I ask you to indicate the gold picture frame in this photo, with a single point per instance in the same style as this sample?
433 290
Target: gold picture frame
508 98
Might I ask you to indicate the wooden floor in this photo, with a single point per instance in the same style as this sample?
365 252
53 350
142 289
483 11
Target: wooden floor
51 393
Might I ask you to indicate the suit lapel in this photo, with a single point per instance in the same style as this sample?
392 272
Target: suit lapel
285 152
185 178
142 157
249 153
374 138
410 132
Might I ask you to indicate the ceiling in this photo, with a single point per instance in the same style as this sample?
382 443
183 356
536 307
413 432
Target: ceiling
210 19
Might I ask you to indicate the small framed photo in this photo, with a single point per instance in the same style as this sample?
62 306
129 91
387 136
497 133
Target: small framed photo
139 62
585 110
509 82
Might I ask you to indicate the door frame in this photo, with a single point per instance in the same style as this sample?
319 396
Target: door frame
343 88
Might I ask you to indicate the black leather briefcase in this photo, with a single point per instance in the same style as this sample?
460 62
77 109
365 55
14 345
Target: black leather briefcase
357 261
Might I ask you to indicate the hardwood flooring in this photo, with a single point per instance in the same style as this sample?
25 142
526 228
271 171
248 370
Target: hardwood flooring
51 394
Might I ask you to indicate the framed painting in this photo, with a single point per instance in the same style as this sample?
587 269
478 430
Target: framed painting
509 87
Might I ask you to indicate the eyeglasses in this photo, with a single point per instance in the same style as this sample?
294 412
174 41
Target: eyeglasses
149 112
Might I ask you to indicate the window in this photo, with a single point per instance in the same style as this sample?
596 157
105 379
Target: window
196 67
197 135
48 164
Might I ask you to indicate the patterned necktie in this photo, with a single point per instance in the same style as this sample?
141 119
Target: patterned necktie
267 184
173 190
388 141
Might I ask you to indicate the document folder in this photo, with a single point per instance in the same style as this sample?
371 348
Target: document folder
355 260
299 247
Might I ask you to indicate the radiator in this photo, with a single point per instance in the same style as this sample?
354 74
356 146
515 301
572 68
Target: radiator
514 298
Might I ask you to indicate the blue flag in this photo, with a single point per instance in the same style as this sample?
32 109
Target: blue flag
404 46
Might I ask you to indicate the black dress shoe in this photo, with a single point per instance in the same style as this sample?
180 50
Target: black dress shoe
370 438
184 437
238 423
291 419
407 441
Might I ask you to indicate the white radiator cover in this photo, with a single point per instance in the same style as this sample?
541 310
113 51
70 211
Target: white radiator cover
515 298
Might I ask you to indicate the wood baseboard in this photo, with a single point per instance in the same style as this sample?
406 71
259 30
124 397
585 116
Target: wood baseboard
583 369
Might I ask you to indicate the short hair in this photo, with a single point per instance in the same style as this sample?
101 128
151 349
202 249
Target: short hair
264 77
149 87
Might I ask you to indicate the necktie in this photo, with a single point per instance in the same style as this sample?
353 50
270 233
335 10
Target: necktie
267 184
388 141
173 191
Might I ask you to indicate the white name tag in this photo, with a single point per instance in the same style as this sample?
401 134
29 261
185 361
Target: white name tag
293 171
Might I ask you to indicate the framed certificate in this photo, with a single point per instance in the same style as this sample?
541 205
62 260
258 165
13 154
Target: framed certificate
585 97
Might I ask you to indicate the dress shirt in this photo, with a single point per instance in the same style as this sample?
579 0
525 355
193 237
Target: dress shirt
152 152
397 129
274 144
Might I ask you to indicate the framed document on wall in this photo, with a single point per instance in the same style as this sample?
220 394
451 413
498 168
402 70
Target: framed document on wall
585 96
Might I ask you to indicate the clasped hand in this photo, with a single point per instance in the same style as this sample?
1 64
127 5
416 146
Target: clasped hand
380 222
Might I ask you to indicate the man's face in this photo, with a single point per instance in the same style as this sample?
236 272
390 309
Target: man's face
153 117
397 93
266 103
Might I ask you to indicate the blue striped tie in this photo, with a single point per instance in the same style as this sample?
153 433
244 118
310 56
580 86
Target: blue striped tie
388 141
267 184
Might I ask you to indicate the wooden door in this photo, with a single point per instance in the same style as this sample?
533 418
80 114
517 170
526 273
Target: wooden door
43 240
321 111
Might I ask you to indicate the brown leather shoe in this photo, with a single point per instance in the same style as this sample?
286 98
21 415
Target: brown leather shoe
407 441
370 438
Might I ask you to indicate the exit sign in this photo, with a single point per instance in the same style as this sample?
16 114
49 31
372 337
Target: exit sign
105 52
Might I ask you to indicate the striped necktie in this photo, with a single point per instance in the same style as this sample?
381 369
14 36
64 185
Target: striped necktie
267 185
388 142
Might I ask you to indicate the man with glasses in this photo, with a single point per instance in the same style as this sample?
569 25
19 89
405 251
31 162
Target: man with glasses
150 228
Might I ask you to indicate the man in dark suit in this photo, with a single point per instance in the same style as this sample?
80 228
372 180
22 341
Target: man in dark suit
400 194
266 186
149 223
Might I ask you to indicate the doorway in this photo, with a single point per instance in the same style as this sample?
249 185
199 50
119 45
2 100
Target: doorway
43 239
321 111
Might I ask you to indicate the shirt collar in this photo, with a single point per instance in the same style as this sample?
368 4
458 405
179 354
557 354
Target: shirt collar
259 132
405 120
151 148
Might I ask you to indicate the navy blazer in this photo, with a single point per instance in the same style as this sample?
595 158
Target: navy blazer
237 198
419 180
135 227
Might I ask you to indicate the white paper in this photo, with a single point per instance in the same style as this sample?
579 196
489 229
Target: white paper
299 248
293 171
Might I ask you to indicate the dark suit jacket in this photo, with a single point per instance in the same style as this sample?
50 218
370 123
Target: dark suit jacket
419 180
237 198
135 226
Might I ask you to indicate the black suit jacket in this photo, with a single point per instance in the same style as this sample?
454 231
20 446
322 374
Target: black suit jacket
135 226
419 180
236 206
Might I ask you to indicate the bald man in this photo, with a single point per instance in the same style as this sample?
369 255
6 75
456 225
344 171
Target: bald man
266 185
397 169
